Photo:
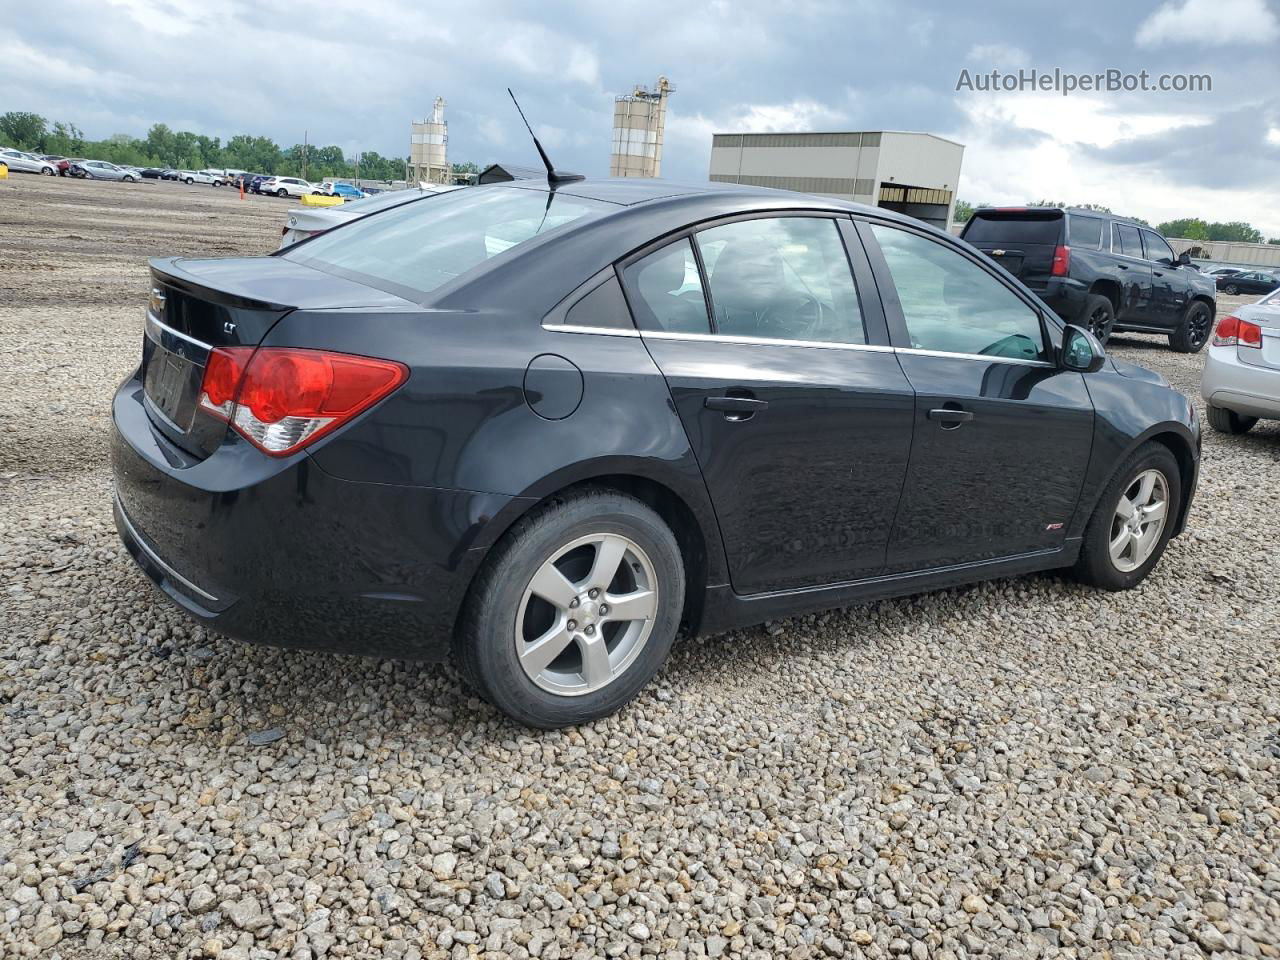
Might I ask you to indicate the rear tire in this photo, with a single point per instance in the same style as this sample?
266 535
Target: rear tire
1231 289
1099 316
1228 421
189 181
282 192
1100 563
574 545
1193 332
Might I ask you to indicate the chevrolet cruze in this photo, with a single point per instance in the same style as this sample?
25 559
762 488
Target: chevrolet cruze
538 428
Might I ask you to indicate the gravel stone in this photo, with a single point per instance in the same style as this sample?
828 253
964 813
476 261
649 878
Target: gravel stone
1100 771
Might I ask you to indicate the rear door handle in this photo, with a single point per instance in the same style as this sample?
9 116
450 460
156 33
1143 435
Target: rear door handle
737 408
950 418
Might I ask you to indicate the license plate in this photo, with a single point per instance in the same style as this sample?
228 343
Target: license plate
167 382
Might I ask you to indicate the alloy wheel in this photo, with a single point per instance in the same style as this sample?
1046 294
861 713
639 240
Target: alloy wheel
1100 323
1198 326
586 614
1139 520
1231 289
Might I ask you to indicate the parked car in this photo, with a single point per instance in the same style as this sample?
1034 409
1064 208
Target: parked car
256 182
1241 379
199 176
344 190
1222 272
1101 271
170 173
1251 281
290 187
502 425
243 180
66 163
301 223
153 173
102 170
19 161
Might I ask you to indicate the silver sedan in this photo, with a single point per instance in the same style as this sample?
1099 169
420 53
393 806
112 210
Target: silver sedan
101 170
1241 379
19 161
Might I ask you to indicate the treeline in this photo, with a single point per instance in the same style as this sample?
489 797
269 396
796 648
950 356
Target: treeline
1188 228
163 147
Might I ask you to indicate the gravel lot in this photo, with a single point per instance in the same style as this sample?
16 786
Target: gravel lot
1018 769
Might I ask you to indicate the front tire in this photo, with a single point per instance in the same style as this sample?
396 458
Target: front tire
1231 289
1193 332
189 181
575 610
1132 523
130 180
1228 421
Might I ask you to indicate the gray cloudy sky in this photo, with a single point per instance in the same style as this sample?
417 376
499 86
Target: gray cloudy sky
356 73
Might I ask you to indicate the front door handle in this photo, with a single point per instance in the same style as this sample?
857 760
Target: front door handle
737 408
950 417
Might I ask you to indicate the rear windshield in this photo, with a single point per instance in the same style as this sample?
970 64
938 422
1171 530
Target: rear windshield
419 247
1014 228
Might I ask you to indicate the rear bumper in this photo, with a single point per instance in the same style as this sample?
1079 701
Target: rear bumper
282 553
1231 384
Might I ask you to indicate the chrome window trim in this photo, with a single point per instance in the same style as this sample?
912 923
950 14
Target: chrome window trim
765 341
916 351
603 331
155 558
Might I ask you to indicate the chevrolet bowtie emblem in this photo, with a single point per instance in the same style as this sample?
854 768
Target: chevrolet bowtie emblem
997 253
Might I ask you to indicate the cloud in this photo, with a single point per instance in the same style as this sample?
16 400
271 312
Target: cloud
998 56
1210 23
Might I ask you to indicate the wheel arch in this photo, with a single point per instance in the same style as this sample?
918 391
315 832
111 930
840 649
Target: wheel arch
682 506
1105 287
1181 443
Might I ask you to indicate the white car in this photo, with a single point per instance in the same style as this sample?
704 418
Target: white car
303 223
19 161
200 176
290 187
1241 379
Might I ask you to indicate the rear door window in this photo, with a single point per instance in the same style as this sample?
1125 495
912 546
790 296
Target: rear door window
1125 240
1015 228
1085 232
418 247
666 291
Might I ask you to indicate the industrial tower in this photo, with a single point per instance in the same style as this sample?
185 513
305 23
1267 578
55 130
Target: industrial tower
429 148
638 121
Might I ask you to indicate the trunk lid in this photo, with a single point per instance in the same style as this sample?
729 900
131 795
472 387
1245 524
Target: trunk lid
1022 241
198 305
1266 316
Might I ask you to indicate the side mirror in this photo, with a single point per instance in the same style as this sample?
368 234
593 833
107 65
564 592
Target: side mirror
1081 350
1184 258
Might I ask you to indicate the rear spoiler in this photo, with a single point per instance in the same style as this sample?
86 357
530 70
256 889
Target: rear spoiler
174 272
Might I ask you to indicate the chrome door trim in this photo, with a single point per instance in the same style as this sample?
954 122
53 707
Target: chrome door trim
914 351
603 331
764 341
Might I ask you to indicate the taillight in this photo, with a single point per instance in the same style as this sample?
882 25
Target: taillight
1232 331
1061 261
282 398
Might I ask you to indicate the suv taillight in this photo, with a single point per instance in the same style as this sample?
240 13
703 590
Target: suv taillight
1232 331
1061 261
281 399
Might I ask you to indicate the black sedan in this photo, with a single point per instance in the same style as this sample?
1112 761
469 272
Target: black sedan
1248 282
152 173
538 430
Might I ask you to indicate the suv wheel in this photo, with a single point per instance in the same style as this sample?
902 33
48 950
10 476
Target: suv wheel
575 610
1193 332
1099 316
282 192
189 181
1228 421
1131 524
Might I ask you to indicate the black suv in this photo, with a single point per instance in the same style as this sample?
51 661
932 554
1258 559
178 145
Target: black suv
1100 271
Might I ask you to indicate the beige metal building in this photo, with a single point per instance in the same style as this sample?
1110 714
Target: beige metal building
429 148
638 121
912 173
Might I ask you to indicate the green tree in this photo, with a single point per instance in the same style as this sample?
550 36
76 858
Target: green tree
23 130
964 210
1235 232
1189 228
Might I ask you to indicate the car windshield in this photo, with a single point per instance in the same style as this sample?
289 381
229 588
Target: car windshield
419 247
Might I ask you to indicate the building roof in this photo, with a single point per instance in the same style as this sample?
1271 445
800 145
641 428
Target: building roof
835 133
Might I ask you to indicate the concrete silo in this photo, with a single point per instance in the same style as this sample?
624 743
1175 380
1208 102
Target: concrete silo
429 148
638 121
